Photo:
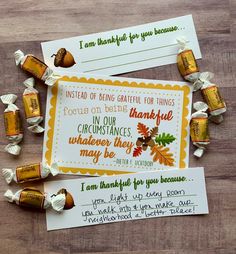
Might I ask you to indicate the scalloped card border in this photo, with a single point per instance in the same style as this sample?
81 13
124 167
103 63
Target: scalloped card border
108 82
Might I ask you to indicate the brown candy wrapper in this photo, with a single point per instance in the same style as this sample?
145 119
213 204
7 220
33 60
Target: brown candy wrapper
186 61
212 96
12 123
32 107
33 198
35 67
31 172
199 128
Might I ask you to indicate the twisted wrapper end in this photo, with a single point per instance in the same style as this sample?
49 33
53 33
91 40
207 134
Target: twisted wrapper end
9 195
200 106
13 149
53 169
29 82
182 42
19 55
203 79
199 152
7 174
36 128
58 202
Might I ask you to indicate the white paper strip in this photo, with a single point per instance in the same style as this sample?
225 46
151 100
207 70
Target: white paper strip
124 50
103 200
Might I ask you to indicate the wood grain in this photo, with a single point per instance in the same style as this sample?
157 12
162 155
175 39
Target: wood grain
24 24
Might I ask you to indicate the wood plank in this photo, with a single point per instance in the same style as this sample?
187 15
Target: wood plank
50 20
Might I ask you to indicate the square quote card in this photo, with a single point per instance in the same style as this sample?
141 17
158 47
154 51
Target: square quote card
99 125
122 50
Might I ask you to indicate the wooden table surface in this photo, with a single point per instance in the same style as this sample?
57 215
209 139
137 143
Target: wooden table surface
23 25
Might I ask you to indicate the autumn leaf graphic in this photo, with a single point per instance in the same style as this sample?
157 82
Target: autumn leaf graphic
162 155
143 130
154 132
150 139
165 139
137 151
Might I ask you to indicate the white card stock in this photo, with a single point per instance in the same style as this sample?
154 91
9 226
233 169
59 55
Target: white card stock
135 196
123 50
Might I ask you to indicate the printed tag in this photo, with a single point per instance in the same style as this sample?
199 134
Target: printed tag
136 196
123 50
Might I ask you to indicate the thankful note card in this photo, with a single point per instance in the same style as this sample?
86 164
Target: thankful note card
135 196
97 125
122 50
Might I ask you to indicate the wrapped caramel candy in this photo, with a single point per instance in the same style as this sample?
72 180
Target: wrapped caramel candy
186 61
32 106
199 128
12 122
211 94
31 172
33 198
35 67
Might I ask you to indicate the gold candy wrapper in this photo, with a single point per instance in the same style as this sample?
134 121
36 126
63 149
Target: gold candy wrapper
31 172
12 123
32 107
186 61
199 128
35 67
212 96
33 198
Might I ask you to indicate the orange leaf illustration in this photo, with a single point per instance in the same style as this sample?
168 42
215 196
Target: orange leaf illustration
143 130
162 154
137 151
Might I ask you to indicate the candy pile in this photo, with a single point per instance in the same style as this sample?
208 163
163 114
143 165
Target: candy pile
33 114
215 106
31 197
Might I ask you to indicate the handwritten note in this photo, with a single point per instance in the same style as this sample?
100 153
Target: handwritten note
130 197
122 50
